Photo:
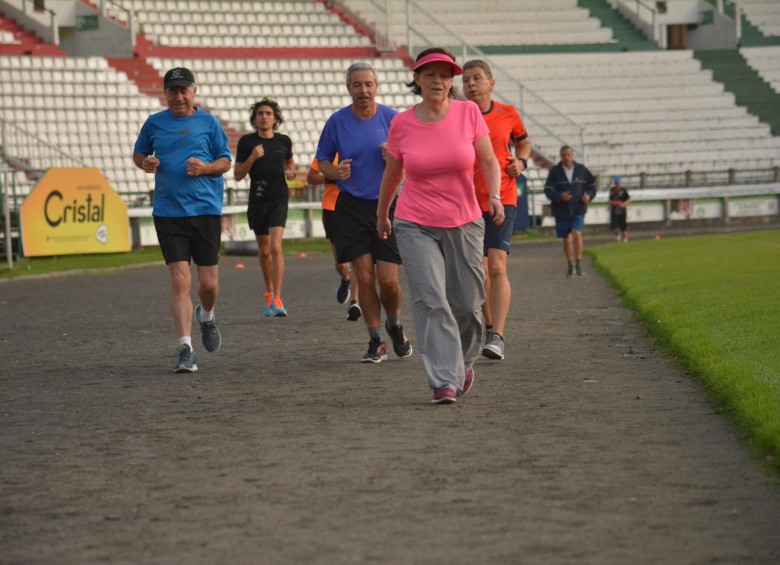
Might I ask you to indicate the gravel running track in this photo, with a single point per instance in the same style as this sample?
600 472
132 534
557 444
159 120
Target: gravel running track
584 446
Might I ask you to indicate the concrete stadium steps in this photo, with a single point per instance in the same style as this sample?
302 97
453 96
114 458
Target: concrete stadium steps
231 24
25 42
490 24
732 70
766 62
627 35
148 80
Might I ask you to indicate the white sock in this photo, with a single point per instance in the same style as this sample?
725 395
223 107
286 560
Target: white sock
206 316
186 340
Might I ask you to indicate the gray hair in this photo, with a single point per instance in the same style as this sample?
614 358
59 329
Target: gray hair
478 64
359 66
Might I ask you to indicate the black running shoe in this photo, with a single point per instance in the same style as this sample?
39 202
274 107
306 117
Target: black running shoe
377 351
343 292
354 311
401 345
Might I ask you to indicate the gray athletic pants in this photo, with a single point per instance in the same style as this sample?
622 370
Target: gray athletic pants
447 286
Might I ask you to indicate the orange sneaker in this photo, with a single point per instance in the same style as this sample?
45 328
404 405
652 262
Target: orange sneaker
278 308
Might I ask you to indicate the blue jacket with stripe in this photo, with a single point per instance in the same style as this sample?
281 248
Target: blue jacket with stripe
583 182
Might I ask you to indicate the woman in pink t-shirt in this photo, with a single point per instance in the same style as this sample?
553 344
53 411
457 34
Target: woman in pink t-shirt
438 223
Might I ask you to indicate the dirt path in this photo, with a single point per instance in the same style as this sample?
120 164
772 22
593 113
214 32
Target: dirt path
583 446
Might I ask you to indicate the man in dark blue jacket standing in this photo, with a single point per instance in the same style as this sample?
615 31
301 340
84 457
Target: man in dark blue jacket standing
570 187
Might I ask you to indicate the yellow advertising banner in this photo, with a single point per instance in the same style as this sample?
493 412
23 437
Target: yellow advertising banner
72 211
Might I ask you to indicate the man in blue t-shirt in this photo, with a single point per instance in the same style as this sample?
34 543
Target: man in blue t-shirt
358 134
187 150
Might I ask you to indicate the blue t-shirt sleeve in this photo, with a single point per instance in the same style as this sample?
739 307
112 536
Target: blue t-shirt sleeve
220 141
326 147
144 143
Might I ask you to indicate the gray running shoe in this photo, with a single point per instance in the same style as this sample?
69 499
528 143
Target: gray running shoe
570 272
186 362
209 332
494 347
578 271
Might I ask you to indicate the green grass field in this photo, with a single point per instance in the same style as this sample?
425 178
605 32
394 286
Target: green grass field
713 302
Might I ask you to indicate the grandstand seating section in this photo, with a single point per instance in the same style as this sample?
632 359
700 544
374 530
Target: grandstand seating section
495 22
766 62
651 111
308 90
764 14
211 23
648 111
7 37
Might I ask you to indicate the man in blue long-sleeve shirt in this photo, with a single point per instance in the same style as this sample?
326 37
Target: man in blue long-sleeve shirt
570 187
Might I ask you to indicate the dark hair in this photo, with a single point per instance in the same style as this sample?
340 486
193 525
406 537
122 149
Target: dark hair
413 85
271 104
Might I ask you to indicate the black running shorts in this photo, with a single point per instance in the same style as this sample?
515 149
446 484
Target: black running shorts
618 222
195 238
328 220
355 231
263 215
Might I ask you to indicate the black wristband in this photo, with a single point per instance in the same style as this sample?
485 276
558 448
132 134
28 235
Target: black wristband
524 161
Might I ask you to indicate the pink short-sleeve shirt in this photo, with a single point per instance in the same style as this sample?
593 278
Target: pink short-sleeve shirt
438 160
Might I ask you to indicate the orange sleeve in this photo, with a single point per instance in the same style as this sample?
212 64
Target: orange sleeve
331 193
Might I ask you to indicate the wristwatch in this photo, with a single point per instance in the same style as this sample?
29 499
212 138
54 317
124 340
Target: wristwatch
524 161
496 196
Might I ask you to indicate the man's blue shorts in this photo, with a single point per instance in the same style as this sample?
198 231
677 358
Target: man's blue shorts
564 226
499 237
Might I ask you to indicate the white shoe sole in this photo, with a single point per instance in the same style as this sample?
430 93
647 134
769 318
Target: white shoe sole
492 353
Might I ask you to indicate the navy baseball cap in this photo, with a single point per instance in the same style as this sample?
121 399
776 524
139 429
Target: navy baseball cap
178 77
